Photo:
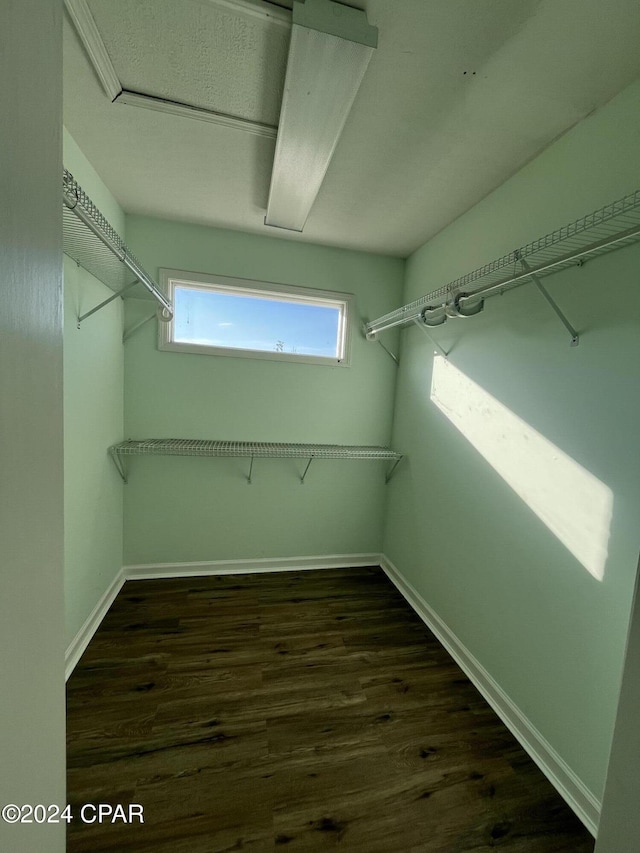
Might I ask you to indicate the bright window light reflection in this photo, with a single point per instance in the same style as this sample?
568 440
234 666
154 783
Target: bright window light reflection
574 505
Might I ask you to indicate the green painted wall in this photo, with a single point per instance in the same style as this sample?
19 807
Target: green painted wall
186 509
92 183
93 420
547 630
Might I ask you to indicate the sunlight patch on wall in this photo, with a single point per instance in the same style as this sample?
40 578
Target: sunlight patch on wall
574 505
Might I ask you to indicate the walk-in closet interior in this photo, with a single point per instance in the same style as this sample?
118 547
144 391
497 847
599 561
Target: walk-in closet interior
325 339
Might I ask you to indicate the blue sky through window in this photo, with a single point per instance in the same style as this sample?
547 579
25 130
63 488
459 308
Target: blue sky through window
253 322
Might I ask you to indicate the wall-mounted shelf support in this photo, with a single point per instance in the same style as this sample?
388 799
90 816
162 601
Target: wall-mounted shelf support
305 471
575 337
443 352
369 337
389 353
253 450
129 332
82 317
119 462
391 470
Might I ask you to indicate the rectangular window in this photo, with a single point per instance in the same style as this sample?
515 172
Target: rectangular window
229 316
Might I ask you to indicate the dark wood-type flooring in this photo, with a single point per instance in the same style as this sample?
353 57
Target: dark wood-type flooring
294 712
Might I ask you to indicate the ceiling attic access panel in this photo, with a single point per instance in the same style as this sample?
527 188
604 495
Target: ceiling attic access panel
216 55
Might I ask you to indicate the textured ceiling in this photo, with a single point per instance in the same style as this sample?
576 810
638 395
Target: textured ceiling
199 53
458 96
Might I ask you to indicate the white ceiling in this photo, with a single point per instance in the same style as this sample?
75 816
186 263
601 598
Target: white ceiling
458 96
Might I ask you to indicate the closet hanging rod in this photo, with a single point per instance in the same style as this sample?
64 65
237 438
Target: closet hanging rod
77 201
607 229
572 257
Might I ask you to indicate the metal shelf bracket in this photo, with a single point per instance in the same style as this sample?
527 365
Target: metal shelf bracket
129 332
120 293
391 470
305 471
389 353
575 337
374 337
421 325
118 461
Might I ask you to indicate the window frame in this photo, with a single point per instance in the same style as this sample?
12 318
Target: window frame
170 278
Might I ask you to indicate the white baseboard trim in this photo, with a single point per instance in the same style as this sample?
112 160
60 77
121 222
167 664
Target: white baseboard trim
583 802
151 571
83 637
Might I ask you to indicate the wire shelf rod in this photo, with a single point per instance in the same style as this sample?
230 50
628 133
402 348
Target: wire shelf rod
607 229
77 201
570 258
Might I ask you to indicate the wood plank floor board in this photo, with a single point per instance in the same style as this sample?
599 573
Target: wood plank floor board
162 766
315 734
297 711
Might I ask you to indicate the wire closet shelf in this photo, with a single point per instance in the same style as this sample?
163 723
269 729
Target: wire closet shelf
253 450
612 227
94 244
